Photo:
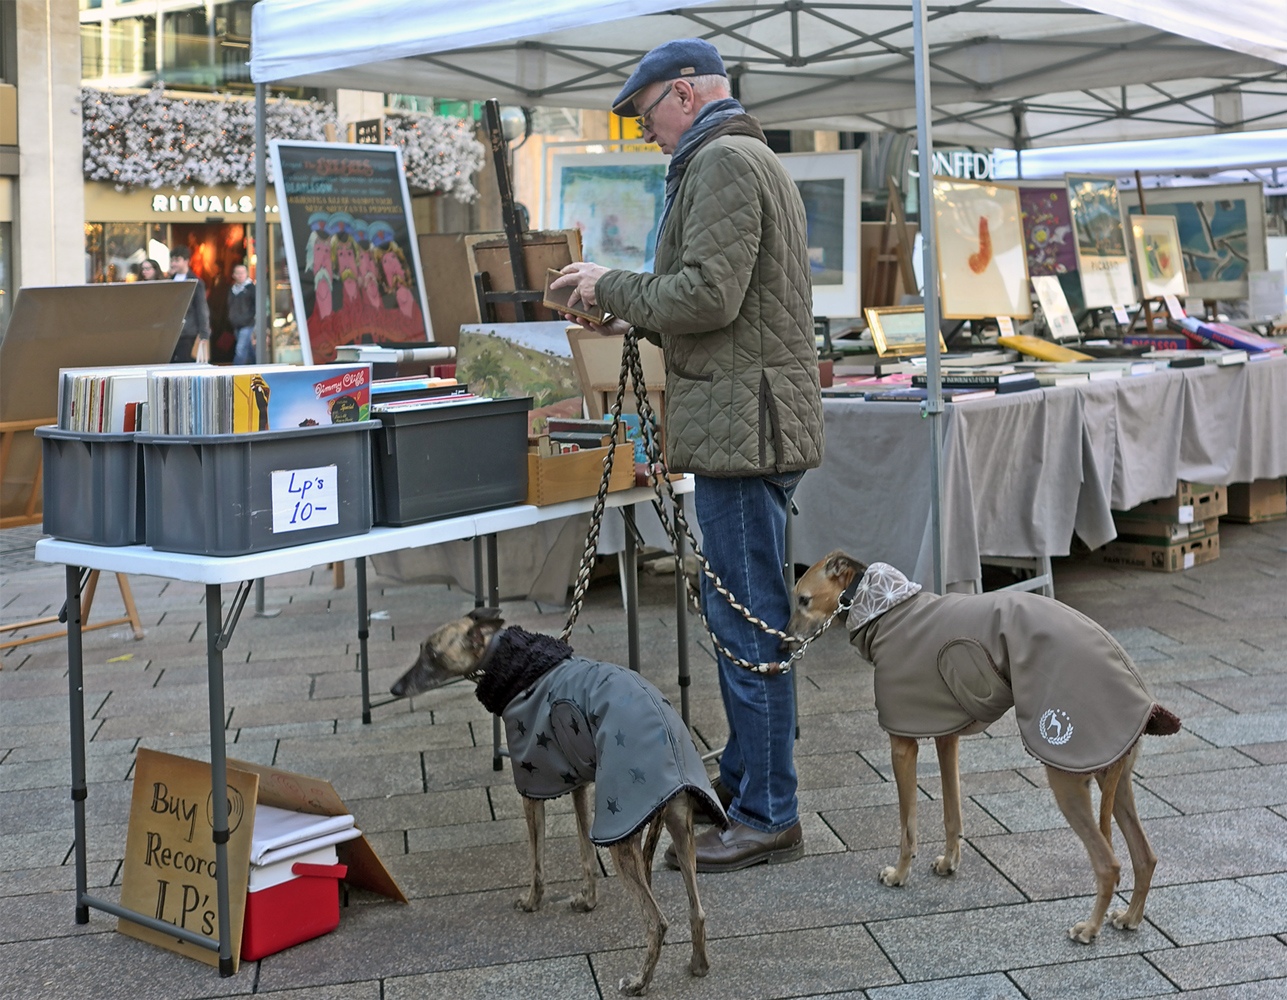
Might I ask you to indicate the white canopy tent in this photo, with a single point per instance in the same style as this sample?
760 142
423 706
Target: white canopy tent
1020 73
1044 72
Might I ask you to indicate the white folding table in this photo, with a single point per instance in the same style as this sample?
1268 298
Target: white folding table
214 571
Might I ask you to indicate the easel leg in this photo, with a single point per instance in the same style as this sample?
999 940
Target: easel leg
338 574
127 597
87 601
681 619
218 772
76 703
364 630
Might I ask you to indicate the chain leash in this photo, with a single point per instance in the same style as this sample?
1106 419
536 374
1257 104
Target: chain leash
659 474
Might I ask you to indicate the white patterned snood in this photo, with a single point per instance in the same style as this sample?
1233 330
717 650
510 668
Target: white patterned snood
881 588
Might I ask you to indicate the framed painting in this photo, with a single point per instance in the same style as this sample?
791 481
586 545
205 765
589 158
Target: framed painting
1047 229
522 359
830 186
898 329
615 200
982 265
1158 263
1102 258
1221 232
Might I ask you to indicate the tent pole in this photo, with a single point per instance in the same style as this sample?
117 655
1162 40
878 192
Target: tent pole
263 279
933 407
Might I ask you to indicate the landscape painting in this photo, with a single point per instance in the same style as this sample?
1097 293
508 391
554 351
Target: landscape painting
522 359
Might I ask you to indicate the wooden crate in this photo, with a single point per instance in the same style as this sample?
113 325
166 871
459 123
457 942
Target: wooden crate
556 478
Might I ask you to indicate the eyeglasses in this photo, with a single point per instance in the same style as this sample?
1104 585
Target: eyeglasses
642 121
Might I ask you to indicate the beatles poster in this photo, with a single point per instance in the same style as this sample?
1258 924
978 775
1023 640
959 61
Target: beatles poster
351 246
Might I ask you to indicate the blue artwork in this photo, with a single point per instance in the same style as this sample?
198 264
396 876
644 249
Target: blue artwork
1213 237
617 207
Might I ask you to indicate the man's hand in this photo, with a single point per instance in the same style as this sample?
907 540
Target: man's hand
584 276
615 328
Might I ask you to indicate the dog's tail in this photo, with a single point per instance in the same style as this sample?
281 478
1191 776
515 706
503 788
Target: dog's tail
1162 722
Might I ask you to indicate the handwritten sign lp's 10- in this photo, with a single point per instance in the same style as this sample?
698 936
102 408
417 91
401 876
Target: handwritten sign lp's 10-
305 498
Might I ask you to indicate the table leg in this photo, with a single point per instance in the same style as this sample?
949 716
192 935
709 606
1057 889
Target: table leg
681 619
218 771
364 631
76 702
479 586
493 601
630 567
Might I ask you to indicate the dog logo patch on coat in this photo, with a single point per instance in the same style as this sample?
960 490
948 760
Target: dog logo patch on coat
1055 727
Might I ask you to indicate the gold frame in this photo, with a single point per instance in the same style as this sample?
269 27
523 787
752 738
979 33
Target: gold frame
873 315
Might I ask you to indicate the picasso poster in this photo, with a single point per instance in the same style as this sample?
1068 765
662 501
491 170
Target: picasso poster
615 200
350 245
829 185
1156 239
1102 259
1221 231
983 270
1047 230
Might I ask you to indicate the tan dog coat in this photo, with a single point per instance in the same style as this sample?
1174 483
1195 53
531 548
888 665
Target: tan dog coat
956 663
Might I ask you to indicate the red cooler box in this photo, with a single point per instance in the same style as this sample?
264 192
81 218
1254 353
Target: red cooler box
291 901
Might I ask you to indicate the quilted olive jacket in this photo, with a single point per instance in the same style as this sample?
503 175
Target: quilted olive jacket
731 306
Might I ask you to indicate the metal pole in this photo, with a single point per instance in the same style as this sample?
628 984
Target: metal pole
218 772
929 260
263 280
364 631
76 699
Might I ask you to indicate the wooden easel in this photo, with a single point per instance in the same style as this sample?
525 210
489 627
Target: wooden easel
87 602
7 430
886 264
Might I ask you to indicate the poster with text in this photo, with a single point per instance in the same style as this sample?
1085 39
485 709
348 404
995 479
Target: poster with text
350 245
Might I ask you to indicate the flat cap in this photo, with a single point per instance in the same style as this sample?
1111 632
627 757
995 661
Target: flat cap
671 61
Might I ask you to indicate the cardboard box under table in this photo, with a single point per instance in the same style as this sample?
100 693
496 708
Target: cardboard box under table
1191 502
1263 500
170 857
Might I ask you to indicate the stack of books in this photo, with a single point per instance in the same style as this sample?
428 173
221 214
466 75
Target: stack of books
1226 336
420 392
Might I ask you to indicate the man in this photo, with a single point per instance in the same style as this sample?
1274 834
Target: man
194 340
241 315
730 304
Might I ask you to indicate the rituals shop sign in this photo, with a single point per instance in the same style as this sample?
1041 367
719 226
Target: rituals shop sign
170 870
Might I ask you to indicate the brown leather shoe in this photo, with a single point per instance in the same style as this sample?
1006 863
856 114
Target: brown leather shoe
740 846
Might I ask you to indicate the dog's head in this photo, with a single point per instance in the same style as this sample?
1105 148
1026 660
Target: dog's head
817 594
451 652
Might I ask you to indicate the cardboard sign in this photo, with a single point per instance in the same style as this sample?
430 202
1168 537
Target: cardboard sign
1119 314
1173 307
305 498
1006 325
169 870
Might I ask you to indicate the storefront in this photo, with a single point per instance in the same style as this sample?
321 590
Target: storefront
217 224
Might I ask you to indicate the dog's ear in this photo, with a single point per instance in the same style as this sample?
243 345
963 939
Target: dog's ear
486 615
839 566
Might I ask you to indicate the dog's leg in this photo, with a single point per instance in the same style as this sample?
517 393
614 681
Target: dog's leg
953 826
1143 860
1072 793
902 752
588 898
534 812
627 857
650 843
679 821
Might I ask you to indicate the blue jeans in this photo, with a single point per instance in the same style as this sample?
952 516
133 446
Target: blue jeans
743 522
245 352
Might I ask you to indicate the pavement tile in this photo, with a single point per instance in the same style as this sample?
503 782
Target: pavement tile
1216 791
1235 730
1267 989
420 810
57 773
1036 809
988 987
567 978
34 881
1224 963
1000 938
977 754
1264 693
1203 912
748 968
1191 762
1266 753
1118 978
878 826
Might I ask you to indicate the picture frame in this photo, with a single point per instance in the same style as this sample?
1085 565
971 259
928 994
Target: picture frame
615 200
1221 231
982 262
1103 260
1159 264
898 330
368 286
830 185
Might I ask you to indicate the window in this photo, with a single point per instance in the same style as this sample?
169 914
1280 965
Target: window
208 52
91 50
131 46
114 250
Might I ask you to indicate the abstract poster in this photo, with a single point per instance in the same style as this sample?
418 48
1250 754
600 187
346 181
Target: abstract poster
616 201
829 186
350 245
983 269
1221 230
1102 258
1157 255
1047 230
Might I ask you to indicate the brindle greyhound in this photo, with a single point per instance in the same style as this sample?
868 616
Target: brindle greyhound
466 648
999 663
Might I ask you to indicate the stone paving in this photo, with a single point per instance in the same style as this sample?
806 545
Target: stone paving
1212 642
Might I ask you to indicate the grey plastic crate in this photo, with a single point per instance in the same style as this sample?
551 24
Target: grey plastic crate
450 460
93 487
212 494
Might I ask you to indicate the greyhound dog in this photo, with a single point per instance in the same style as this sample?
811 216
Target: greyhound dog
949 666
570 722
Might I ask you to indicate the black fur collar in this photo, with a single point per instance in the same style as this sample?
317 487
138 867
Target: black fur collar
514 660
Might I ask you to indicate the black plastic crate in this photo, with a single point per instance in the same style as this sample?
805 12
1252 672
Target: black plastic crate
450 460
93 487
213 494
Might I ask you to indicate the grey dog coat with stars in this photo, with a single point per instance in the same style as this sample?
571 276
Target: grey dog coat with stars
570 721
956 663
